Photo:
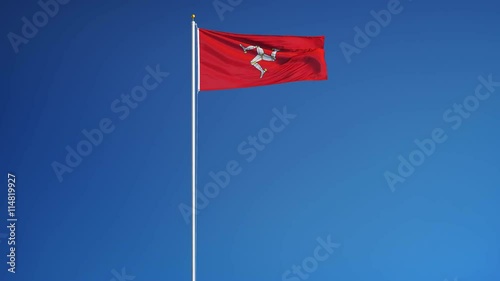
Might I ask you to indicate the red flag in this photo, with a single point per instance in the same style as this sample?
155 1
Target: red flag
229 60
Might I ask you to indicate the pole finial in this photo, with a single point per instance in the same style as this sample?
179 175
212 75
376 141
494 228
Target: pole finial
193 16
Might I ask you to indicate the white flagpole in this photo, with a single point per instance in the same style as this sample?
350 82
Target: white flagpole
193 150
198 55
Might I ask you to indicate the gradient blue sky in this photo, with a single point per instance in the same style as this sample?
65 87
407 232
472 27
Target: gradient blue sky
321 176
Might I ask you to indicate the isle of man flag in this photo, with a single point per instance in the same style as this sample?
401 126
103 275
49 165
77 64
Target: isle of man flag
228 60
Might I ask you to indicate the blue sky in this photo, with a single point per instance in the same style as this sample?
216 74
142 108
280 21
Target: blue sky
386 171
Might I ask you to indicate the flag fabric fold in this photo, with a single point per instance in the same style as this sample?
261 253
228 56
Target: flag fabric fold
229 60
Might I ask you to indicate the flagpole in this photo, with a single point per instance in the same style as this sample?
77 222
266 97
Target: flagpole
193 150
